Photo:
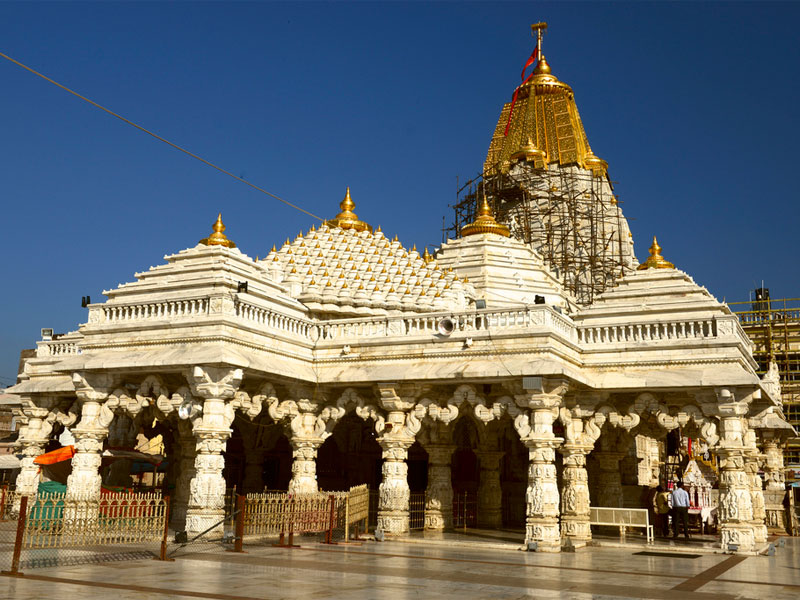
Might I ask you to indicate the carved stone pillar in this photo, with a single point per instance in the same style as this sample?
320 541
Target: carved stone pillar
187 453
756 497
397 434
206 505
541 524
393 492
609 488
735 500
33 437
536 432
775 489
490 494
304 465
439 494
575 493
84 483
773 466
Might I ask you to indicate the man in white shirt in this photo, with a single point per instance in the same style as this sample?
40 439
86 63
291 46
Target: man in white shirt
680 510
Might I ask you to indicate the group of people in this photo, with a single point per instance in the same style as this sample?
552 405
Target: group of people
676 504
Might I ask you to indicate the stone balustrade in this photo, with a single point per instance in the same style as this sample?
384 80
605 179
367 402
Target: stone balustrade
464 322
272 319
649 332
416 325
167 309
56 348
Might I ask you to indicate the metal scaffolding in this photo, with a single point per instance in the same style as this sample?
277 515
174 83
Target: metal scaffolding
774 328
568 214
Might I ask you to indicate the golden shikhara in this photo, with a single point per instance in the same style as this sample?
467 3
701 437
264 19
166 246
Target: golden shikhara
545 128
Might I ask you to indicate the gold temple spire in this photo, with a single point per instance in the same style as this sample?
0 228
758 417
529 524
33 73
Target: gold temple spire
347 219
655 260
485 223
545 119
218 238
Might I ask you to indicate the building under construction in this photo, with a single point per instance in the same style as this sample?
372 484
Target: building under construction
544 182
774 328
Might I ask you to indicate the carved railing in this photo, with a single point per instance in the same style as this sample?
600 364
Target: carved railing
56 348
465 322
272 319
626 333
167 309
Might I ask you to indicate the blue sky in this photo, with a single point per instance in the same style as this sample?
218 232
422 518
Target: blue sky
693 105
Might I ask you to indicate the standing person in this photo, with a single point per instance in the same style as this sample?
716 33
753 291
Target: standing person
680 507
661 509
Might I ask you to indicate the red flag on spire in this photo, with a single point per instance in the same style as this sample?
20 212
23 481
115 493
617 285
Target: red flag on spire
528 63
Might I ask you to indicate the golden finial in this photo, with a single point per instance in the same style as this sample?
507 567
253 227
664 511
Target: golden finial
379 230
394 239
414 249
312 230
218 238
485 222
426 256
655 260
347 219
273 248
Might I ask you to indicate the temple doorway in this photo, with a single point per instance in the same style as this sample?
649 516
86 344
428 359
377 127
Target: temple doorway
350 456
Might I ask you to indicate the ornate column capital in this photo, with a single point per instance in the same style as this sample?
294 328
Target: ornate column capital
214 382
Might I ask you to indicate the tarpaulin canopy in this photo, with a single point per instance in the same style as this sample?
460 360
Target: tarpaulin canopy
57 465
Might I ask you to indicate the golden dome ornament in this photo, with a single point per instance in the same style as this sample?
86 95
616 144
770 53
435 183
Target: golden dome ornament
655 260
347 219
485 222
218 238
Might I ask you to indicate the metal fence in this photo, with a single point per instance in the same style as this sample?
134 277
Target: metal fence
119 518
281 515
50 530
7 498
416 510
465 509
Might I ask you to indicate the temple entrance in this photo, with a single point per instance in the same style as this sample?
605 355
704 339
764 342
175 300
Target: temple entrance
350 456
513 476
258 457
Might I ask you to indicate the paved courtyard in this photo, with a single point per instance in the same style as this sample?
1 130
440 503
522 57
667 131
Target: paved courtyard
400 570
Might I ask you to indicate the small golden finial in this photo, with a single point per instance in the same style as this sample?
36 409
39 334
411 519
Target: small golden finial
273 248
394 239
414 249
655 260
218 238
426 256
485 222
379 230
347 219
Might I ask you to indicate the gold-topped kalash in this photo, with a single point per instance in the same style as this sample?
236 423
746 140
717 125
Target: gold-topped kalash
485 222
655 260
347 219
218 238
544 126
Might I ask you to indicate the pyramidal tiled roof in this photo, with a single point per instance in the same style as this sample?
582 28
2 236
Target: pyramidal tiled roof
342 272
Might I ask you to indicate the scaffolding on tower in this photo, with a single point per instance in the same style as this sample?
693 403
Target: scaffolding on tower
569 215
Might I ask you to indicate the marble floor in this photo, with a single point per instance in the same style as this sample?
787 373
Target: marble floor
400 570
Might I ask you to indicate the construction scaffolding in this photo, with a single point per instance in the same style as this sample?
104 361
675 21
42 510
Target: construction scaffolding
568 214
774 328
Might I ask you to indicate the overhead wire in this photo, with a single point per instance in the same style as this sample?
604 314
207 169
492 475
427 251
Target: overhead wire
158 137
